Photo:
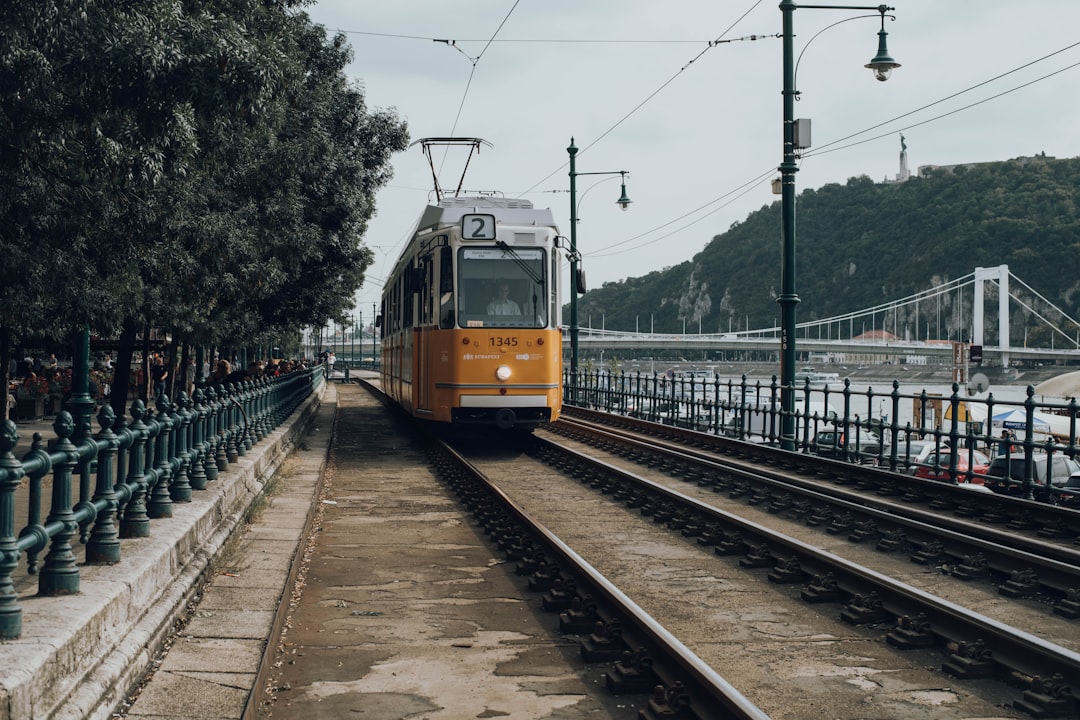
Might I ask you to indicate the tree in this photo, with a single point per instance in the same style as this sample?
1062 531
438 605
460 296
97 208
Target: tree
159 147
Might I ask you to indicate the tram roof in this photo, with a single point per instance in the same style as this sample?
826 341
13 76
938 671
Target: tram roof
512 211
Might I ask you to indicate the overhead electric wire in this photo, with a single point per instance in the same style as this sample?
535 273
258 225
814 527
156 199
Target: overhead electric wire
472 72
461 105
551 41
745 187
832 146
712 43
709 45
823 151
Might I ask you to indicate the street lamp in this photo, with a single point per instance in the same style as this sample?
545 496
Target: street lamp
624 203
882 65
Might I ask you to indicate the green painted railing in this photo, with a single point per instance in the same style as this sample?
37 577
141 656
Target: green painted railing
129 473
752 412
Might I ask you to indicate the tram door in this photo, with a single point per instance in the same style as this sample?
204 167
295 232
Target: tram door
423 382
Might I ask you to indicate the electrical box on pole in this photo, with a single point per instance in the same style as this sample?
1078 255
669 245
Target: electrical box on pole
802 133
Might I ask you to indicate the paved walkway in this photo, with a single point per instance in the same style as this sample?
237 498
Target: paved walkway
406 611
471 648
396 606
209 669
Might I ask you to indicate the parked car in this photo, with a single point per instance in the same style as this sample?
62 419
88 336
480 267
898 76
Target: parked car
830 442
936 466
1071 496
1064 472
909 453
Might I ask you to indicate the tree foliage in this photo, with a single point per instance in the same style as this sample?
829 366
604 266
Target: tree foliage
202 166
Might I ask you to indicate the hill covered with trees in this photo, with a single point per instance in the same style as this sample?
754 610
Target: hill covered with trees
865 243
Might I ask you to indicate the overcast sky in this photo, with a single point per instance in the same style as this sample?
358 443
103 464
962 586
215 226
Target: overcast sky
640 87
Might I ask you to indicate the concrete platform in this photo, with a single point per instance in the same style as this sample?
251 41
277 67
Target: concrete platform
210 668
404 609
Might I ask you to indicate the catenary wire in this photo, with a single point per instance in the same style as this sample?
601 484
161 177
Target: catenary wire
472 72
833 147
712 43
823 151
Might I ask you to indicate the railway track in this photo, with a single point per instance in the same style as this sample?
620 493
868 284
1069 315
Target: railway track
726 616
645 656
930 522
1020 516
972 646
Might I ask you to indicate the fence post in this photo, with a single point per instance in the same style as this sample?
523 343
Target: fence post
160 503
59 573
180 456
136 523
103 546
197 475
10 475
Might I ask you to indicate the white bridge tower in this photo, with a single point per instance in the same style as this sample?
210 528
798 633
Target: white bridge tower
1001 274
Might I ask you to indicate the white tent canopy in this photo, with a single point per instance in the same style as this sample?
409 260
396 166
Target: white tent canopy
1016 419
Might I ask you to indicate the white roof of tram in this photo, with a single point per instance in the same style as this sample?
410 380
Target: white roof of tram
510 211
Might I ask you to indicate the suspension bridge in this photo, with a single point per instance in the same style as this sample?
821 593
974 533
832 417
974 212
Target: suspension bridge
945 324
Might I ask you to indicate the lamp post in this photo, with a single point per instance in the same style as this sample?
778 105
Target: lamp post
624 203
881 65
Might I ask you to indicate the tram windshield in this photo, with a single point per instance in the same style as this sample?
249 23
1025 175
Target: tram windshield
503 287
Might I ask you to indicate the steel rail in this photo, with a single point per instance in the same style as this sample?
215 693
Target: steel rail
993 508
1058 566
689 685
1009 653
708 694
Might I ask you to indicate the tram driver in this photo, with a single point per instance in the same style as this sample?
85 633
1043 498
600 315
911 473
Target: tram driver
502 304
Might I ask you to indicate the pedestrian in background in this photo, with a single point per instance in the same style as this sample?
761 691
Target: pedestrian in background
160 374
189 377
1005 446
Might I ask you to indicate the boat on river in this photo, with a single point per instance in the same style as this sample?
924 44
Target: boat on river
818 379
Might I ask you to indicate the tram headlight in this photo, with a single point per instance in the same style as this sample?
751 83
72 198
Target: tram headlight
503 373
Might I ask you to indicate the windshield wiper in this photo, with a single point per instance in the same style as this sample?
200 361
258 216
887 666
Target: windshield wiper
526 268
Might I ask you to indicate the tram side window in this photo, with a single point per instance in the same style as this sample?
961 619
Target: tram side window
554 294
407 303
427 291
446 288
390 312
399 304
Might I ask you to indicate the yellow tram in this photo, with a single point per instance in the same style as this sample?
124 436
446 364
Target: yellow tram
470 317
